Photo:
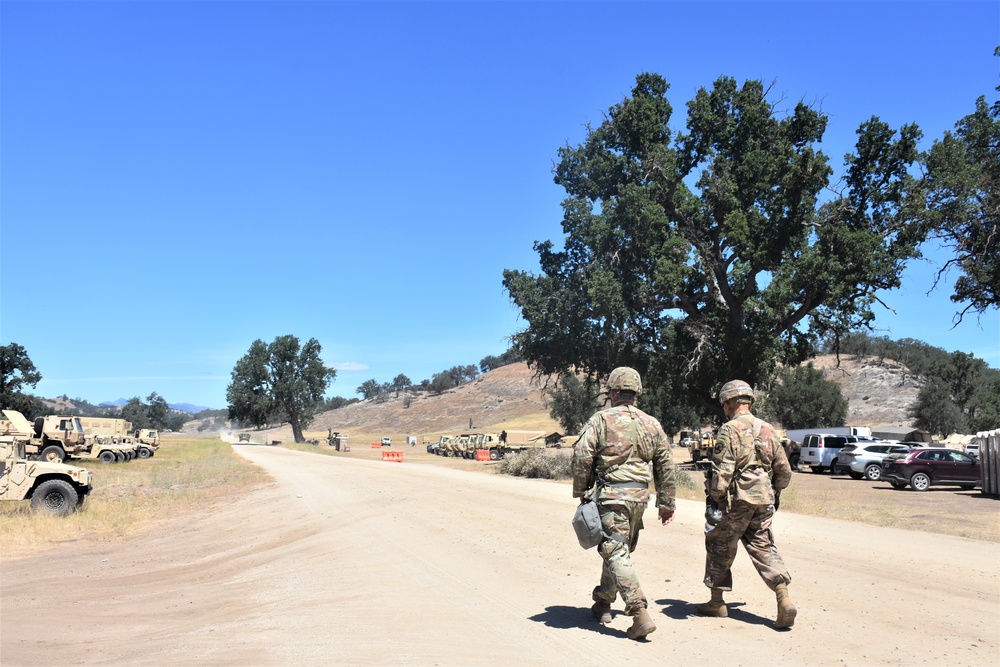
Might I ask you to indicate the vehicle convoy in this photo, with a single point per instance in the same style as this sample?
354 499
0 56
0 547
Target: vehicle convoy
498 445
52 488
52 438
141 443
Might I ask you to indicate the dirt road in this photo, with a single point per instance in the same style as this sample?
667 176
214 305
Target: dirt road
356 562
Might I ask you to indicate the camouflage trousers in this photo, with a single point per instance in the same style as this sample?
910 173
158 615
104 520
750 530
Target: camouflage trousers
750 524
617 575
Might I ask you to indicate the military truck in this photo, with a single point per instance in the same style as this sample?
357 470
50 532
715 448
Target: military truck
53 438
149 441
52 488
699 443
134 443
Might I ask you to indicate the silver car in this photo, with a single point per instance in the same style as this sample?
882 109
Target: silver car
864 459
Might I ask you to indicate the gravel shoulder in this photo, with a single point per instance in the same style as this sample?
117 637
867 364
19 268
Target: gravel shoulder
361 562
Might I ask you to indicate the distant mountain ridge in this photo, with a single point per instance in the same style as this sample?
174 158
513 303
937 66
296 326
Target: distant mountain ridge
182 407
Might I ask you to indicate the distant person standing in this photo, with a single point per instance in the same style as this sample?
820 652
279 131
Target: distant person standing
612 464
503 437
749 470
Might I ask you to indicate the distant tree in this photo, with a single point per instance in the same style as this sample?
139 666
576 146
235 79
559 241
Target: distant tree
369 389
492 362
400 382
573 402
176 420
934 410
281 380
803 398
156 412
986 415
18 372
248 394
134 411
963 177
336 402
442 382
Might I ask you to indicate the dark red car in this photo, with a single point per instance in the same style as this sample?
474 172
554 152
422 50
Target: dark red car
921 468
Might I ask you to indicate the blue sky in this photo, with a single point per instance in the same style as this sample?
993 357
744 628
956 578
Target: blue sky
178 179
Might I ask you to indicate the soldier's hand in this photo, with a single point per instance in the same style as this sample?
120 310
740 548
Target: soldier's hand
666 515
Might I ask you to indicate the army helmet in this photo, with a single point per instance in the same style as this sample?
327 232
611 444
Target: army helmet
624 378
735 389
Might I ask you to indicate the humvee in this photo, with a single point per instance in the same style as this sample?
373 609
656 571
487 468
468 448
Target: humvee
52 488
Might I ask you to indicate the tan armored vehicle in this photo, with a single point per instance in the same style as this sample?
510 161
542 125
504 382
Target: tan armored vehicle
700 444
52 488
53 438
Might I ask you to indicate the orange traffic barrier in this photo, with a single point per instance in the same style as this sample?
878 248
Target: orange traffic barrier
392 456
482 455
376 445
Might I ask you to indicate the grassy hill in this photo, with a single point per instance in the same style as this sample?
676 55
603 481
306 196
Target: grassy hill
878 392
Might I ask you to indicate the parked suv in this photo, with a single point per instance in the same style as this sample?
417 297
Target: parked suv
820 450
387 441
924 467
864 459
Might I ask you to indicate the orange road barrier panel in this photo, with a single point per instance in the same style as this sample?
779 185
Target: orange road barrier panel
482 455
392 456
376 445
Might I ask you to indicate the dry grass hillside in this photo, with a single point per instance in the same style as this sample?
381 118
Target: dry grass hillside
878 391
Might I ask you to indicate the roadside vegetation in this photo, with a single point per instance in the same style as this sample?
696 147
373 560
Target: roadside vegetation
185 474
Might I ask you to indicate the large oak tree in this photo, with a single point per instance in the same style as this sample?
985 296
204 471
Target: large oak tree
718 252
280 381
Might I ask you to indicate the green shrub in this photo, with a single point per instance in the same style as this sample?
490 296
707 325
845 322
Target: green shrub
537 464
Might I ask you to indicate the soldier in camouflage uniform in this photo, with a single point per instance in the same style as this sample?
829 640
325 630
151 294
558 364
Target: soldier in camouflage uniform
749 470
621 450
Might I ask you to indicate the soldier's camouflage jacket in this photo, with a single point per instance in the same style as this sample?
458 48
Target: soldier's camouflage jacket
743 471
617 450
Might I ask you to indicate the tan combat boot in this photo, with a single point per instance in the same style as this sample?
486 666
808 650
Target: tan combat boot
786 608
642 624
602 612
714 607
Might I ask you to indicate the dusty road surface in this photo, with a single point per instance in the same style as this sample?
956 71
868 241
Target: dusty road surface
359 562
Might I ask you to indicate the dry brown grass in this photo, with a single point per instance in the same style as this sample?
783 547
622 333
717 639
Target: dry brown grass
129 497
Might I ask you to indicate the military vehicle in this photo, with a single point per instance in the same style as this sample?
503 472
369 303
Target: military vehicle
498 445
137 443
700 444
149 441
53 438
52 488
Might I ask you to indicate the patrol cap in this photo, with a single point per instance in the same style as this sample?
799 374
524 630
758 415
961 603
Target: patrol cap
624 378
734 389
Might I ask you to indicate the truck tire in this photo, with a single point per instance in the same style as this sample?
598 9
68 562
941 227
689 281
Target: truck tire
145 453
55 497
53 454
107 457
494 455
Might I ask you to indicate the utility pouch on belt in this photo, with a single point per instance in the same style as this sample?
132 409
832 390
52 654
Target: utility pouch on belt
587 524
